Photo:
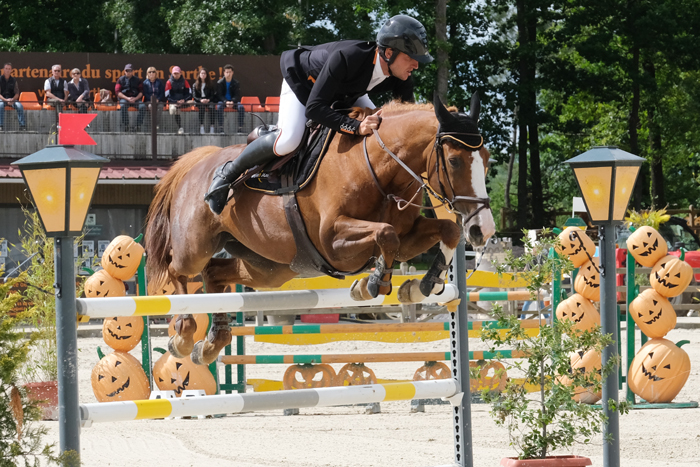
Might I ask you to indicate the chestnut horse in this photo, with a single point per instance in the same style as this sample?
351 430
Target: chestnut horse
354 209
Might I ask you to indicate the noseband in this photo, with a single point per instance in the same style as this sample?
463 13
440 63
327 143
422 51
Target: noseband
439 167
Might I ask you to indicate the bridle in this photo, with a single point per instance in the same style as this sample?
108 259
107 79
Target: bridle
440 166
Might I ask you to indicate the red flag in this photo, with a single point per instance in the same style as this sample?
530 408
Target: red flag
71 128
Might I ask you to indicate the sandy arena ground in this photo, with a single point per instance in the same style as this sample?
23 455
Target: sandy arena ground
346 437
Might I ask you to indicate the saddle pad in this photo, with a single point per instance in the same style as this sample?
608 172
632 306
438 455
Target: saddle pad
303 166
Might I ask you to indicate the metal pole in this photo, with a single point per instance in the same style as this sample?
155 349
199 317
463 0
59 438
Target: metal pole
609 318
67 348
462 413
154 128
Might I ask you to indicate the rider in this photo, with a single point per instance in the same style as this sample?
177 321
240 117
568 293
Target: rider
317 77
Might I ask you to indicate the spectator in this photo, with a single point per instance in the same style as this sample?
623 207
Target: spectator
9 95
151 86
205 97
178 92
79 91
56 89
229 94
129 93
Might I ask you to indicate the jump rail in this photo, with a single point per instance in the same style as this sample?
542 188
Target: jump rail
274 400
234 302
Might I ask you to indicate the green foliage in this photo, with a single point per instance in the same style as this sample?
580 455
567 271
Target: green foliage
549 419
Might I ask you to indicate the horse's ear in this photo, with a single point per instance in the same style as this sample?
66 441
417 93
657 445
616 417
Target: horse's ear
475 107
443 115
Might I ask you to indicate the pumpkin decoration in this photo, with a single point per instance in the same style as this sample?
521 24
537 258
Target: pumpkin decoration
670 276
580 311
202 321
119 377
167 289
588 280
432 370
102 284
653 314
180 374
647 246
496 382
585 363
307 375
355 374
122 333
574 243
659 371
122 257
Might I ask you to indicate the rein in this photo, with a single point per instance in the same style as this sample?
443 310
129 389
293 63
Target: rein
439 164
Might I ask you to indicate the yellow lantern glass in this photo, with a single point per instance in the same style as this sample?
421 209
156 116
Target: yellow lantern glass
595 187
48 187
624 184
83 181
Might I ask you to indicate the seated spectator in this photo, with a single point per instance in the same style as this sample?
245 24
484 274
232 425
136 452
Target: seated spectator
79 91
205 97
152 86
56 89
178 93
9 95
129 93
229 94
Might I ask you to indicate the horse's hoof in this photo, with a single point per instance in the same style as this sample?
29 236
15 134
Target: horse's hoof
359 292
197 354
428 287
409 292
178 347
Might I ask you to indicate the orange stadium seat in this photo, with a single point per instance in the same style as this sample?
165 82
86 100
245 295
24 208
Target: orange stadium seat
99 106
272 104
252 104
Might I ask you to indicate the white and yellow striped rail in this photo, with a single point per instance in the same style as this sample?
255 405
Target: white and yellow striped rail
273 400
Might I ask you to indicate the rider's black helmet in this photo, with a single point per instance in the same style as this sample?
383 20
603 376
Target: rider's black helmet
406 35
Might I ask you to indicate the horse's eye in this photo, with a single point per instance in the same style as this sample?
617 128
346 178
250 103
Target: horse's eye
455 162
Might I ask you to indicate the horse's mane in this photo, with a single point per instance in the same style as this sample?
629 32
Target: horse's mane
158 218
394 107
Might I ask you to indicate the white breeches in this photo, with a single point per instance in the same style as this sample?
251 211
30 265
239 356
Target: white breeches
292 119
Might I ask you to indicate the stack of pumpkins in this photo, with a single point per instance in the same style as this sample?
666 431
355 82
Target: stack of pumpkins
661 368
578 308
118 376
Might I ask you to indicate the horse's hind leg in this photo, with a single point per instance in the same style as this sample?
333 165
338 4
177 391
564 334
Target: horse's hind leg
181 344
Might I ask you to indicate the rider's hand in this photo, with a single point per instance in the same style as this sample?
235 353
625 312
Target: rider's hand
370 123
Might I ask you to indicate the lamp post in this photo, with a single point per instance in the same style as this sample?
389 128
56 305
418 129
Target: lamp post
61 181
606 177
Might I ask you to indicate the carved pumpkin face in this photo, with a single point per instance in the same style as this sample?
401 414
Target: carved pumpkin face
202 321
167 289
122 257
653 313
580 311
588 281
492 376
659 371
102 284
647 246
181 374
119 377
123 332
575 244
587 363
670 276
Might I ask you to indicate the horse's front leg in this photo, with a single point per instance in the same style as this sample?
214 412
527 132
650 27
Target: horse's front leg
424 234
351 238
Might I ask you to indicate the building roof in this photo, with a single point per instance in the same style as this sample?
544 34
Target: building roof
117 175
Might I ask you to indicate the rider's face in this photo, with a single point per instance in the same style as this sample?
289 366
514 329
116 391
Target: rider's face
403 66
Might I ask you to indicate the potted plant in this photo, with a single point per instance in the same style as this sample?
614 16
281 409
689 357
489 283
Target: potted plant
549 418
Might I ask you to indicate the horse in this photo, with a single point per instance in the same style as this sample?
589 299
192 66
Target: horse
359 206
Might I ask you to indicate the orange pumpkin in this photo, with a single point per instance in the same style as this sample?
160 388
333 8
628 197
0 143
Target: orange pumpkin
122 257
180 374
122 332
495 382
102 284
580 311
659 371
574 243
202 321
119 377
167 289
653 314
588 281
670 276
647 246
306 375
585 363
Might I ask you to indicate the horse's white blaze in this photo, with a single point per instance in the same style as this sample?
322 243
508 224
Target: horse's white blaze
485 218
449 254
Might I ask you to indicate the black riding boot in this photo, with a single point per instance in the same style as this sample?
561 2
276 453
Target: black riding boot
259 152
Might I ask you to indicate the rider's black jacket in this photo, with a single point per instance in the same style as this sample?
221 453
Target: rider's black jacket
337 72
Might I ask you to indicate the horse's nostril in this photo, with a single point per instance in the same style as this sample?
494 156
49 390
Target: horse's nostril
475 232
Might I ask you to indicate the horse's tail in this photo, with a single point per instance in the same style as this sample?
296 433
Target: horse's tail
157 240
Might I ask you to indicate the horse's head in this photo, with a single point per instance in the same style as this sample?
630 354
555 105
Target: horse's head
460 170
